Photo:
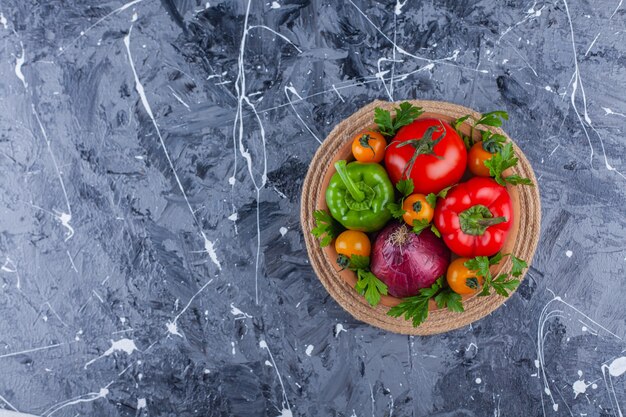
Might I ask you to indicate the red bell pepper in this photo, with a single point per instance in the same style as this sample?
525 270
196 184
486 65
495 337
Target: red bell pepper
475 217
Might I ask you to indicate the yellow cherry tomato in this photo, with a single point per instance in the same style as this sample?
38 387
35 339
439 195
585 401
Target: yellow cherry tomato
369 146
352 242
417 208
460 279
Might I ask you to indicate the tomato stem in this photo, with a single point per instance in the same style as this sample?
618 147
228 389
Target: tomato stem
364 141
423 146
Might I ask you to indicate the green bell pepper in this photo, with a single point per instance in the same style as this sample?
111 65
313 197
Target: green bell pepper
358 194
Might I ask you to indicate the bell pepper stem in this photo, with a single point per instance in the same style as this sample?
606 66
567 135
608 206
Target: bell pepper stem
476 219
342 170
491 222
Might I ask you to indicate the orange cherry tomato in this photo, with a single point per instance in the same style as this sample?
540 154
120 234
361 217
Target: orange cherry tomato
476 160
460 279
417 208
352 242
369 146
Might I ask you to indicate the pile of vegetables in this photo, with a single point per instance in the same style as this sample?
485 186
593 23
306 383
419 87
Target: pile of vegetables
432 221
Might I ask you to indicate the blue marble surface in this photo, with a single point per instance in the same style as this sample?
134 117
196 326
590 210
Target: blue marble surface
151 162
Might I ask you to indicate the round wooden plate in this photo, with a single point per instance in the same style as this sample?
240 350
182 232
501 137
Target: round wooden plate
522 240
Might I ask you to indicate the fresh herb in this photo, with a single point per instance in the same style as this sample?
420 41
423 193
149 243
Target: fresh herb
443 193
359 262
367 283
370 286
405 114
396 210
405 187
500 162
502 284
431 199
492 142
450 299
436 231
467 140
518 266
420 225
493 118
326 227
416 308
458 122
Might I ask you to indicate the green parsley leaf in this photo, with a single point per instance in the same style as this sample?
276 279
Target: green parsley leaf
480 265
500 162
412 308
405 114
384 121
504 286
450 299
431 199
518 266
517 180
359 262
370 286
435 230
396 210
492 142
419 225
495 259
416 308
458 122
326 227
485 291
494 118
443 193
433 289
405 187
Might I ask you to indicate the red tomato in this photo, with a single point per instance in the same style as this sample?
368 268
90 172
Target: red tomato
435 167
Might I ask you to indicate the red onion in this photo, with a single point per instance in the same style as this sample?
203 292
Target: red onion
407 262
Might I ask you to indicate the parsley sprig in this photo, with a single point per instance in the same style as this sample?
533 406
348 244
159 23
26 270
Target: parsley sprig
367 283
500 162
326 227
405 187
405 114
493 118
495 143
503 284
416 308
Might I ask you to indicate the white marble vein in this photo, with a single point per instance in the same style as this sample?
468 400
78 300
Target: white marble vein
209 246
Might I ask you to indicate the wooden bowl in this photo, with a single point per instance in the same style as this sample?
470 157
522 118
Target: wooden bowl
522 239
